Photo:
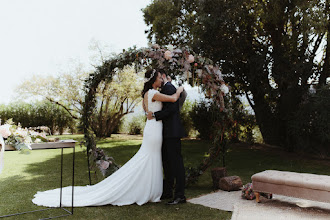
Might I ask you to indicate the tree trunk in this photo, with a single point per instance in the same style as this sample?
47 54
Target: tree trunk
266 120
273 107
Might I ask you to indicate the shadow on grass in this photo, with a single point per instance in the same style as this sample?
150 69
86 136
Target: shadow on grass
19 190
16 195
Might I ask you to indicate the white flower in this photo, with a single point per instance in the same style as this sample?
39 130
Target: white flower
37 140
28 140
224 88
170 47
21 132
177 51
33 133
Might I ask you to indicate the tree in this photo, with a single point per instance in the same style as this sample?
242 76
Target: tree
116 97
36 114
65 90
267 49
115 100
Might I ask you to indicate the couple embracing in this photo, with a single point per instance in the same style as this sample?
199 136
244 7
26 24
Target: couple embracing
141 179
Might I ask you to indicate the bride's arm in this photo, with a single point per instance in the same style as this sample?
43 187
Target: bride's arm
144 107
168 98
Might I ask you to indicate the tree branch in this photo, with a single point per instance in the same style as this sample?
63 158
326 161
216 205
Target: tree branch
63 106
249 100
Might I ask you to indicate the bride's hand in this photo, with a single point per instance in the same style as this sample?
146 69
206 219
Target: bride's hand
149 115
180 89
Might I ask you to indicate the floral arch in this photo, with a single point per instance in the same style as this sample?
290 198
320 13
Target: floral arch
181 63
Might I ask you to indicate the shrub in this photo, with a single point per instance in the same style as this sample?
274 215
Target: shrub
118 127
202 121
309 127
40 113
185 115
136 124
205 113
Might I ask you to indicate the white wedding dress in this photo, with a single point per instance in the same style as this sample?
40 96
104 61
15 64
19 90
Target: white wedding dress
139 181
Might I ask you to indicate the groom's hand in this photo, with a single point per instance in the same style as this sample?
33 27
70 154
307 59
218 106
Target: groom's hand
149 115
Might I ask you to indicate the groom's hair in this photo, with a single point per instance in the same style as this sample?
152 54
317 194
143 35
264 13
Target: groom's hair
162 71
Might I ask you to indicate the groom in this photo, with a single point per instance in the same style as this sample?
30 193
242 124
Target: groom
171 149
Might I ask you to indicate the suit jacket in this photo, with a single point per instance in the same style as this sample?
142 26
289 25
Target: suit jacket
170 115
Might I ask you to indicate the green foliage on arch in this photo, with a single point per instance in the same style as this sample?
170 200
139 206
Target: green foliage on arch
181 63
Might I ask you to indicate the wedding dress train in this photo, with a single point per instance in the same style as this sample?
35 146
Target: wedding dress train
139 181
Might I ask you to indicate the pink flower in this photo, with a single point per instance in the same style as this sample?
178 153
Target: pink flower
4 131
168 55
191 58
156 46
104 164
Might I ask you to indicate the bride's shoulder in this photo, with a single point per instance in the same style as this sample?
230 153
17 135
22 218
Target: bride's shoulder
153 91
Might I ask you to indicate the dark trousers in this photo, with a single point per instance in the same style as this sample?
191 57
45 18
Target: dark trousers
173 167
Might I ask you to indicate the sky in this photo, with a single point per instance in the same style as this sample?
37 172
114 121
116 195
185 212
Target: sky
41 37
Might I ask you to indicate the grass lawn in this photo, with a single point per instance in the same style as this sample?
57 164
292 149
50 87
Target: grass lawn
24 175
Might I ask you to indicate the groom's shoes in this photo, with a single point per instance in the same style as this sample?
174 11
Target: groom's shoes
177 201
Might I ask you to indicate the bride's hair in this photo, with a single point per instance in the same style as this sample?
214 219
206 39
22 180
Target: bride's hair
150 77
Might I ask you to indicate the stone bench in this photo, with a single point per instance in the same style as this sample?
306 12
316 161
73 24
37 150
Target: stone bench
299 185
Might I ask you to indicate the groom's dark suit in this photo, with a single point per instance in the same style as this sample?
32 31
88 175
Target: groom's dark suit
171 148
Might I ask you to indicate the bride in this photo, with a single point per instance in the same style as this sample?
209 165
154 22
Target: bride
140 180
